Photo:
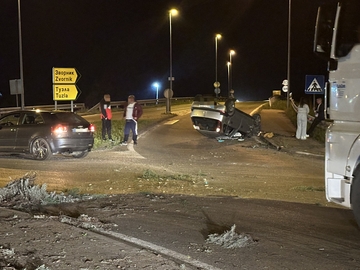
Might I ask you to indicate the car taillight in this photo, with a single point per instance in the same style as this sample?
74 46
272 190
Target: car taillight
218 128
92 128
59 129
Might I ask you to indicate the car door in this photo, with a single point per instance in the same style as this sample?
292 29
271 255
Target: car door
30 126
8 130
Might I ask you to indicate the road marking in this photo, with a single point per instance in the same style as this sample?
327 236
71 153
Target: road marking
171 122
159 249
308 154
256 110
131 153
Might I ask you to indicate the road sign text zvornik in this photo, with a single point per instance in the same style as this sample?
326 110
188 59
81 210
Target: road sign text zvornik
64 76
64 84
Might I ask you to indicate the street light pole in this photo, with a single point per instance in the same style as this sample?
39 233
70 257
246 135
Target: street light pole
217 37
288 56
228 69
172 12
21 60
231 53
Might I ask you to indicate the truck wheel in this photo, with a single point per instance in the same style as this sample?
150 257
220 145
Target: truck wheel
355 196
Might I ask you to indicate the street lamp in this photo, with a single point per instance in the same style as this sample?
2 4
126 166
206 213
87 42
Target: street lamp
217 37
172 12
228 70
231 53
156 85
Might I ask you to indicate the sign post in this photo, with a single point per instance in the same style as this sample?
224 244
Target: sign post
64 85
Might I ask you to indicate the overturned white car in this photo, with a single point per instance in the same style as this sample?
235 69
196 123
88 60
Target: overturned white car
214 119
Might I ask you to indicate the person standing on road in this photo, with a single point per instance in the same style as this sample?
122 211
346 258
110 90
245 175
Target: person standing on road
106 115
302 112
319 116
132 113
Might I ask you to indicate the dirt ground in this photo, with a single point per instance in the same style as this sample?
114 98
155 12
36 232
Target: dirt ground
118 231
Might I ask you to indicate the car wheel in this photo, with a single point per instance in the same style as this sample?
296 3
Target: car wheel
40 149
355 196
81 154
230 106
257 126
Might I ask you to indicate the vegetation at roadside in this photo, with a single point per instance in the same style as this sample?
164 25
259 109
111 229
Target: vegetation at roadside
117 129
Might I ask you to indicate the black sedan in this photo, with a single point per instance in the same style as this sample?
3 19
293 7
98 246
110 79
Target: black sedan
44 133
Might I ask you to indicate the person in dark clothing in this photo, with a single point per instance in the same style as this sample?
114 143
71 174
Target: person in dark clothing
106 115
132 113
319 116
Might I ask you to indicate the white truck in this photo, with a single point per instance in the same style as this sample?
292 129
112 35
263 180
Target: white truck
337 39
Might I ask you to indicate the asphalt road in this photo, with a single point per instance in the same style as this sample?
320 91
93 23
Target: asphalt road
263 191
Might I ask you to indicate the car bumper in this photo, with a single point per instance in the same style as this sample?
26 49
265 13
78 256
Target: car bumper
61 145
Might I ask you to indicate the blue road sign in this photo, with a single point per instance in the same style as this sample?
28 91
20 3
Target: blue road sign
314 84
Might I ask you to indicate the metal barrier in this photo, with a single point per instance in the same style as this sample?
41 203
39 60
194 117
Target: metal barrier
144 102
81 106
77 106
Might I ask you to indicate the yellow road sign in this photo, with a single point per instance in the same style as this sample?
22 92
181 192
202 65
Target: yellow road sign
65 92
65 75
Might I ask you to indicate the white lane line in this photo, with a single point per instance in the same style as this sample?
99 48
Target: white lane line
308 154
131 153
257 109
171 122
156 248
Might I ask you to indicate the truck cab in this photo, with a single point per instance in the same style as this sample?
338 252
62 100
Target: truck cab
337 40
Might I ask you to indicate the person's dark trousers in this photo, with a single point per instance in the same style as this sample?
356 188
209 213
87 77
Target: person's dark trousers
130 125
316 121
106 128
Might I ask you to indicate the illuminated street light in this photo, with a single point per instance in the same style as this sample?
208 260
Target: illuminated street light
217 37
231 53
172 12
156 85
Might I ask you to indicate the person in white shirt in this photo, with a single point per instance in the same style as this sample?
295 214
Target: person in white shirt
132 113
302 113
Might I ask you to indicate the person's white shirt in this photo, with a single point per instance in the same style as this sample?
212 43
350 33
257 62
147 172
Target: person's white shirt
129 111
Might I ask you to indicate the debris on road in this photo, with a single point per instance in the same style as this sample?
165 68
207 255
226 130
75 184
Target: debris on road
22 193
230 239
269 135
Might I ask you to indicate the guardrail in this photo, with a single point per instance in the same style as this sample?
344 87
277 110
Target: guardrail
81 106
77 106
144 102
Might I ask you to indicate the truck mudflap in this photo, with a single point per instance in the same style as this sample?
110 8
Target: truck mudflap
338 191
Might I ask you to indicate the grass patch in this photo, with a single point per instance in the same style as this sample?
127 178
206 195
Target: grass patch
151 175
74 192
309 188
276 105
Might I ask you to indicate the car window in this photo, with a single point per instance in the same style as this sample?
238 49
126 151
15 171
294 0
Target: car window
69 118
32 118
10 120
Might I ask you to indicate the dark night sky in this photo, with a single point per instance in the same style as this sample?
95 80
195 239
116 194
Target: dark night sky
121 47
